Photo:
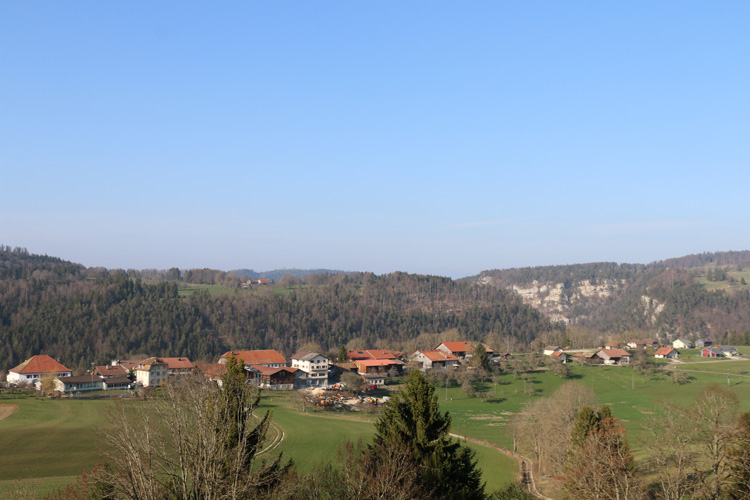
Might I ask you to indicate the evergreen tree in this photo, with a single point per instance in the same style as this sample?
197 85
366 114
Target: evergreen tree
480 358
586 421
342 354
413 419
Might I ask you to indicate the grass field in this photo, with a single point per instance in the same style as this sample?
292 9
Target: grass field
52 441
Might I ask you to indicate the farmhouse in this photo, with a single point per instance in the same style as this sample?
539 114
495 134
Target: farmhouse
614 356
281 378
550 349
269 358
110 371
151 372
461 349
701 343
433 358
179 366
711 352
378 366
642 344
729 352
682 344
314 366
560 356
667 352
33 369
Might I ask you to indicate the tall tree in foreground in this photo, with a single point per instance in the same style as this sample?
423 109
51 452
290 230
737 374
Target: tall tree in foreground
413 420
739 460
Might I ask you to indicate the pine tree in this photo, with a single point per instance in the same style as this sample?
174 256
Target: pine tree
413 419
342 354
480 358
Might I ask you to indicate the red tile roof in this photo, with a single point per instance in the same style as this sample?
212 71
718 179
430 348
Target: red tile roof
178 363
40 363
266 370
663 351
435 355
615 353
269 357
111 371
371 354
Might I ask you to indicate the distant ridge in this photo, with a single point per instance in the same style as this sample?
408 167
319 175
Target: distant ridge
277 274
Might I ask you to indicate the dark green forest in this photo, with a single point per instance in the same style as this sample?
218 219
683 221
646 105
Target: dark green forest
82 316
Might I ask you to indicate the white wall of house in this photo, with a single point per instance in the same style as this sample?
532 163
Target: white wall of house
316 370
31 378
155 375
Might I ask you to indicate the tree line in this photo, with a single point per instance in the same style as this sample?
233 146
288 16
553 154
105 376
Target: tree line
71 313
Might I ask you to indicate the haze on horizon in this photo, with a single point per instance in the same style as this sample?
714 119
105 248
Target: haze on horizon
427 137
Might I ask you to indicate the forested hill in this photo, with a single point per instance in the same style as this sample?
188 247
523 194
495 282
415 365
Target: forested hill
697 295
82 316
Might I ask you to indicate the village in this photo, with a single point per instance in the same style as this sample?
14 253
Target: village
270 370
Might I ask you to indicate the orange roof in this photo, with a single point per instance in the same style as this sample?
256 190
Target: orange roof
435 355
178 363
663 351
461 346
269 357
149 362
41 363
266 370
111 371
558 353
371 354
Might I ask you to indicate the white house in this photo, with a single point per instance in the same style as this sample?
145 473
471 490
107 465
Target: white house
682 344
151 372
547 351
33 369
434 358
314 365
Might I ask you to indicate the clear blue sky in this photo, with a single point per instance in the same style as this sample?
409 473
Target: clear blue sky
431 137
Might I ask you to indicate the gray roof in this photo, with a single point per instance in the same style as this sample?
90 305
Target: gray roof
306 356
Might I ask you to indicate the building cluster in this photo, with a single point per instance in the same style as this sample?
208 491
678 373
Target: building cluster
268 369
618 352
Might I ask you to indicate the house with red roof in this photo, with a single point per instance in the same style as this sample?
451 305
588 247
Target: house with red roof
151 372
427 359
667 353
378 366
461 349
371 354
614 356
560 356
281 378
179 366
33 369
269 358
110 371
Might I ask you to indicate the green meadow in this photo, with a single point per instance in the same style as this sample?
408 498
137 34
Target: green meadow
47 443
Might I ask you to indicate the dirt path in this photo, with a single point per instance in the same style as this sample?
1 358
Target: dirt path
524 464
6 410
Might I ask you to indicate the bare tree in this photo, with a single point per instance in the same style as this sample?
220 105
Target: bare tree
714 413
672 454
193 441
